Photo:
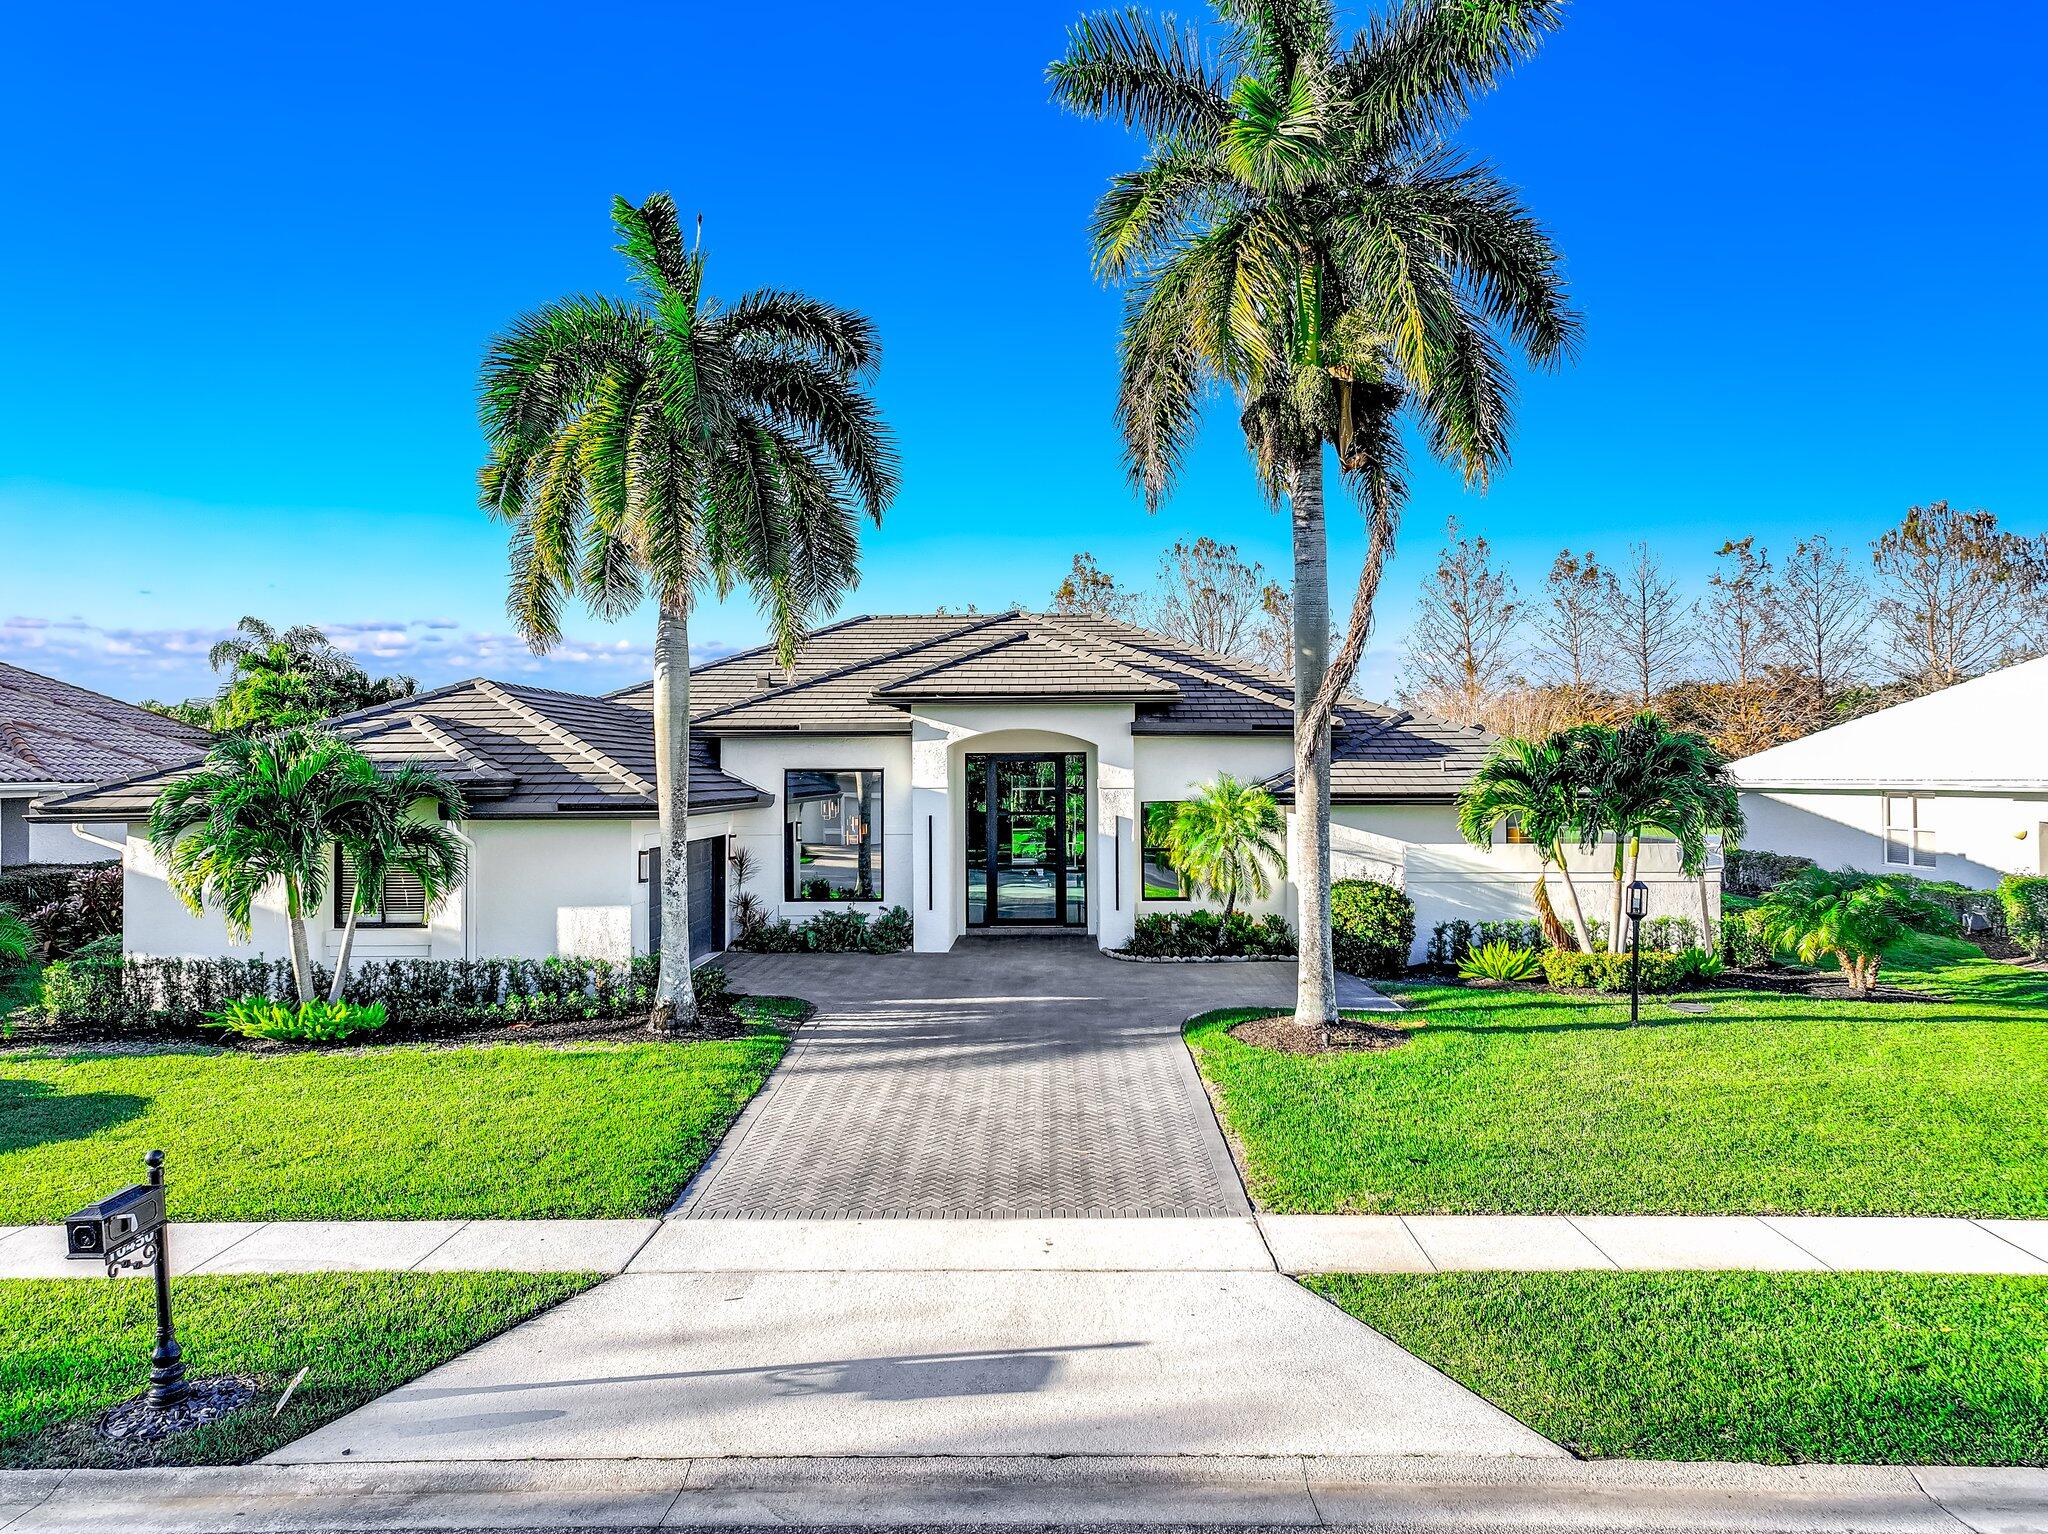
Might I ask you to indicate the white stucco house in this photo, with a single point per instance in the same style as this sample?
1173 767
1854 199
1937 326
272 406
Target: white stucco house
56 738
985 773
1952 786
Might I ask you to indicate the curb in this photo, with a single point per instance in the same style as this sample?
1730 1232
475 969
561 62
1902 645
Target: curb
1415 1494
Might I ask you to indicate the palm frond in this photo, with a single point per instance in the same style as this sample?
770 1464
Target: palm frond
1151 75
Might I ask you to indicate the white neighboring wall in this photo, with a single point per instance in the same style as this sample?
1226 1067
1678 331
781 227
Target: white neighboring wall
35 841
1977 838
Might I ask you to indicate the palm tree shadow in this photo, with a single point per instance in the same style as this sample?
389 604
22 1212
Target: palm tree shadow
33 1113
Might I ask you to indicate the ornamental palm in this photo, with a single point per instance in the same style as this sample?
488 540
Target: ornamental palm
259 812
380 831
1539 785
1301 236
1226 840
665 446
1844 917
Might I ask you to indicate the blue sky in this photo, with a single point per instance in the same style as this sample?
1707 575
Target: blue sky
252 254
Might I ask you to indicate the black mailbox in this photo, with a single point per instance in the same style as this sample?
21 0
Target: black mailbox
105 1227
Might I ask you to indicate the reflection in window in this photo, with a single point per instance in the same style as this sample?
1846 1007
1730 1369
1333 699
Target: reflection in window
832 835
1161 880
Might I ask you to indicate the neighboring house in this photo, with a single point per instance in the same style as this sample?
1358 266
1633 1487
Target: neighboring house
55 738
1950 786
985 773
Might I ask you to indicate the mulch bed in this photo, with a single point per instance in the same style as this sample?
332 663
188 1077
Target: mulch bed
1821 985
1289 1037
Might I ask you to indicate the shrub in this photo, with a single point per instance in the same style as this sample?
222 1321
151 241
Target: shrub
2023 901
1743 943
1372 927
1500 961
1451 941
306 1022
1671 934
90 909
1566 969
101 950
1694 963
892 931
1758 873
830 932
1205 935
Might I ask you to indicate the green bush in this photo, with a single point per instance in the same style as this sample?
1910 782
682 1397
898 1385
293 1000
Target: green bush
101 950
1758 873
1206 935
829 932
1694 963
1744 944
305 1022
1567 970
1372 927
1500 961
2023 901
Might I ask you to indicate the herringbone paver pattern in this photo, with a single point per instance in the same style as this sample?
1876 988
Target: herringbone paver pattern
1026 1077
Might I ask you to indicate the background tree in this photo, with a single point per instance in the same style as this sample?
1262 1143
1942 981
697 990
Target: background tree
396 821
1226 839
1210 598
665 446
1648 626
1541 786
1304 235
282 677
1090 591
1956 595
1742 629
1574 628
1461 650
1823 607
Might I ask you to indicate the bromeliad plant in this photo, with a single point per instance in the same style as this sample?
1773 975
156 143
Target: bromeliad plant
307 1022
1849 918
1226 841
1500 963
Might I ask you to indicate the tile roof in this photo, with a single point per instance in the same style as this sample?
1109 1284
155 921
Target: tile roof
1404 757
54 732
1035 664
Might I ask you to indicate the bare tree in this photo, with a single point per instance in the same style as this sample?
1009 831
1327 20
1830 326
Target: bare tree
1648 627
1210 598
1090 591
1754 703
1461 649
1573 627
1957 595
1824 608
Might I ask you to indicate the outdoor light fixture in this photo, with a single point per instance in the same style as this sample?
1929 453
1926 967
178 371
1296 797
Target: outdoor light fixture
127 1230
1638 908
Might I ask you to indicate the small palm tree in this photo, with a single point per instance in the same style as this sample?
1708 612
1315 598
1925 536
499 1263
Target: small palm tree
1539 785
381 830
1227 841
1844 917
662 447
257 813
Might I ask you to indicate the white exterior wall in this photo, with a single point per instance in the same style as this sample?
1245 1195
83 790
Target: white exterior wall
1176 766
1979 838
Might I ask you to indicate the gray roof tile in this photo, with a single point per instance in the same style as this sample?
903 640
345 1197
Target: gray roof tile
54 732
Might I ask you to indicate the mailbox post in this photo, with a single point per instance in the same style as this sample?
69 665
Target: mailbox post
127 1230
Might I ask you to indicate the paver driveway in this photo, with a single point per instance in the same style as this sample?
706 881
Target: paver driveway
1009 1077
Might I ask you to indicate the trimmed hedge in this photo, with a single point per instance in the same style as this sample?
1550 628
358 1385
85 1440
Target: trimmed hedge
829 932
1206 935
1570 970
1372 928
2023 901
1758 873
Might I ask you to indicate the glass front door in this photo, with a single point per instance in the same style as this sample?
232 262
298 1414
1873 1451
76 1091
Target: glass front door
1027 831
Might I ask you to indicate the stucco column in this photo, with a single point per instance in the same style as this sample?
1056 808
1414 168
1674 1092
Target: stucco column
934 910
1113 870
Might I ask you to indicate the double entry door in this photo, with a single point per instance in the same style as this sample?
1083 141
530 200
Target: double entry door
1027 839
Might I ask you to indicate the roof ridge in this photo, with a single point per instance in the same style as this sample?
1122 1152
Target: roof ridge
564 736
859 665
767 645
440 736
1281 700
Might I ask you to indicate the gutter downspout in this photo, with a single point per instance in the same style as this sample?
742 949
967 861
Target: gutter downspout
117 848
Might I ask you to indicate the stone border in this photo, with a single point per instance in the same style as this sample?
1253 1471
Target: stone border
1207 958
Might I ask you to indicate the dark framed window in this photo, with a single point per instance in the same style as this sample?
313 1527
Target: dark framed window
831 834
1516 836
1158 879
404 903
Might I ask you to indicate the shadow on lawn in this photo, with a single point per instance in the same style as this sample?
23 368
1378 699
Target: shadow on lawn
34 1113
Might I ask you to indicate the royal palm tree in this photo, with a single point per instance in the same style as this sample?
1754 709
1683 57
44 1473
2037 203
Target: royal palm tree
674 444
397 822
1537 784
259 812
1227 840
1303 237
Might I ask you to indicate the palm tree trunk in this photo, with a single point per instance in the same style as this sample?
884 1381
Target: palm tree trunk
348 941
295 925
1315 997
1706 917
675 997
1571 895
1635 858
1614 922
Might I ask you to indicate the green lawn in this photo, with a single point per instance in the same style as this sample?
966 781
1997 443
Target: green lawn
1777 1367
509 1130
1526 1102
70 1348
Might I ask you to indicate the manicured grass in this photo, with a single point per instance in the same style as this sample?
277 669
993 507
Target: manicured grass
1869 1368
69 1348
506 1130
1527 1102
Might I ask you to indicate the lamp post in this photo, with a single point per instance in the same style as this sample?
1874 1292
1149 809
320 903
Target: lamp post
1638 908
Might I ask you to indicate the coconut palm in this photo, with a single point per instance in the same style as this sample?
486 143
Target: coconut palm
1226 841
1303 237
665 446
1845 917
259 812
396 822
1537 784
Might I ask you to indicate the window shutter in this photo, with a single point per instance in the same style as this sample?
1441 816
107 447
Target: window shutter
405 903
344 889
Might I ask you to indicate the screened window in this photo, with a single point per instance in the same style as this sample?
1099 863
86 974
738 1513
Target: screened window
1161 880
832 835
404 903
1908 837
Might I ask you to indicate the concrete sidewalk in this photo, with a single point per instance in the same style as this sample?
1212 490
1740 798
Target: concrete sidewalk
1267 1243
1453 1495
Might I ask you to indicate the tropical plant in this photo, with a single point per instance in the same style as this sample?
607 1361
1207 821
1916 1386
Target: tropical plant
282 677
1540 785
397 822
1226 840
1372 927
665 446
1499 963
16 941
1697 964
1849 918
1304 236
259 812
307 1022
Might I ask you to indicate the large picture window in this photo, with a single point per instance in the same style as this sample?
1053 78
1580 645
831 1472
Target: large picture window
404 903
832 835
1908 837
1159 879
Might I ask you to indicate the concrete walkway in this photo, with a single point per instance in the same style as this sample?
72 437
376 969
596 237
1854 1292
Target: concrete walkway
1265 1243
